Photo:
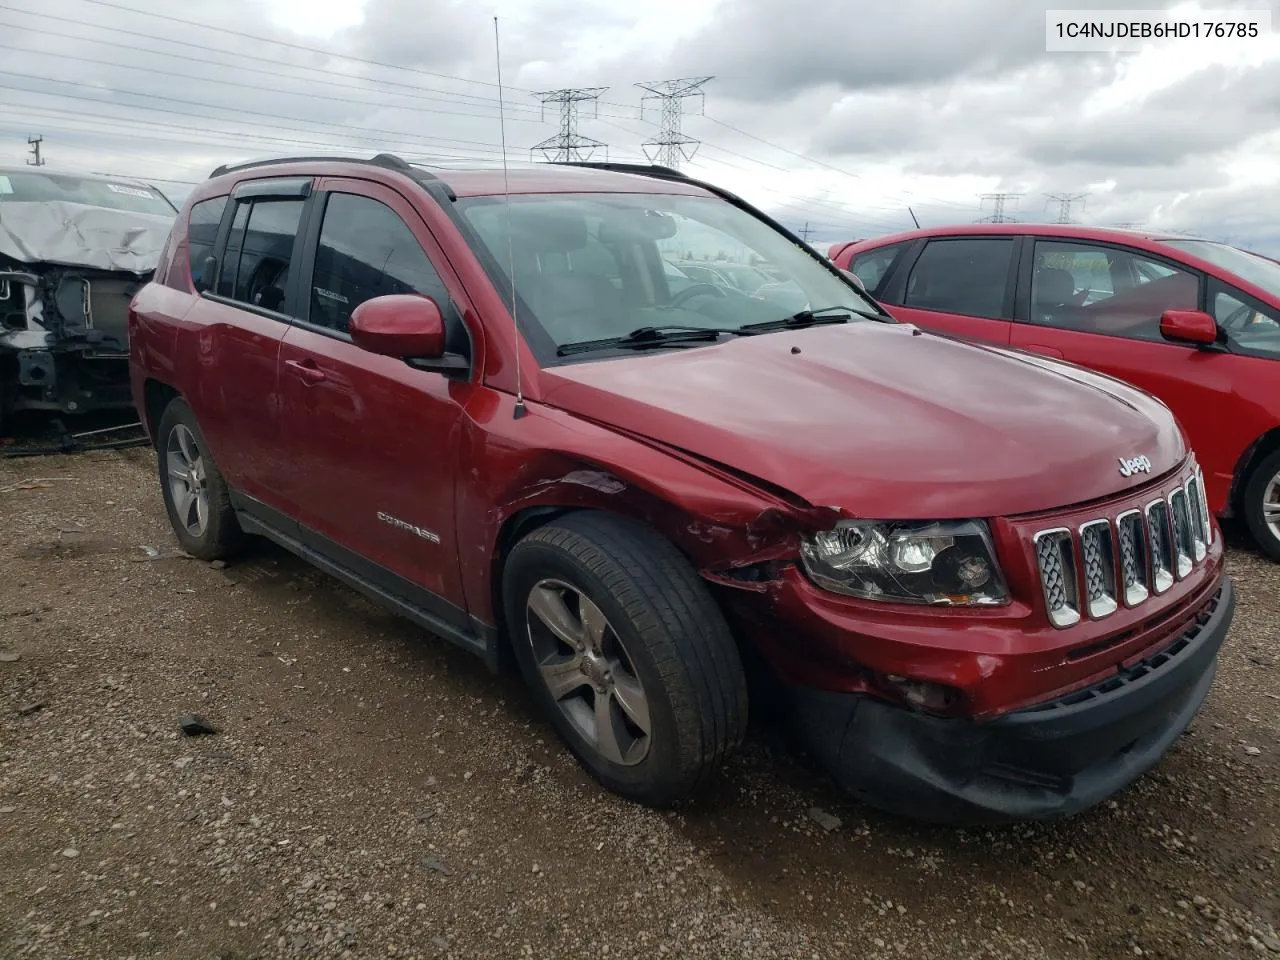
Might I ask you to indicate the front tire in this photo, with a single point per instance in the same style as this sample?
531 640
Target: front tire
1262 504
627 654
196 496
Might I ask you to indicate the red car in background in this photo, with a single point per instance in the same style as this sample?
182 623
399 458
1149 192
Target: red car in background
1194 322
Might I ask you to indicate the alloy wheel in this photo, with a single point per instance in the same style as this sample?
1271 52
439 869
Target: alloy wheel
188 483
1271 506
588 672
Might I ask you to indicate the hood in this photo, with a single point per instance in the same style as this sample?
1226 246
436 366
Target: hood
884 420
79 235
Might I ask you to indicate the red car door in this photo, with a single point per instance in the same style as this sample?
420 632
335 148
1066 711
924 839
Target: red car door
370 439
237 328
958 285
1099 305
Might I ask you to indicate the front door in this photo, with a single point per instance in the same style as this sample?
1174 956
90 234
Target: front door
1099 306
371 440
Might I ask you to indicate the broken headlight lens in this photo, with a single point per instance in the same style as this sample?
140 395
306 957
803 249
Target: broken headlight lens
951 562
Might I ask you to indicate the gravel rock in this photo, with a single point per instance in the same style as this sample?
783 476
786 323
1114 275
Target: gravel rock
297 834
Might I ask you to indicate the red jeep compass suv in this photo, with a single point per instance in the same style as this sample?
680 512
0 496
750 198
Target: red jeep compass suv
1194 322
985 584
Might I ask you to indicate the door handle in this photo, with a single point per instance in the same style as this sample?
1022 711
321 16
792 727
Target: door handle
306 369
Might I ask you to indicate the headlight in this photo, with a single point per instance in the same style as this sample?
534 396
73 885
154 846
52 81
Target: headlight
945 563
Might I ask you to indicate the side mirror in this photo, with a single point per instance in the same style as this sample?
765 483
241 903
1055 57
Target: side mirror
1189 326
401 325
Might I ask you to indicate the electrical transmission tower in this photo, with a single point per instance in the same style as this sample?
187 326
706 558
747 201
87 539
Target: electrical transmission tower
671 146
568 144
998 201
1065 200
36 160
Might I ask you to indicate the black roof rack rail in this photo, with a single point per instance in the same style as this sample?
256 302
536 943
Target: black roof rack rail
388 160
644 169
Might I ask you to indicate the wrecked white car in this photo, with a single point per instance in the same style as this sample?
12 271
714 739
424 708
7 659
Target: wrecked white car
73 251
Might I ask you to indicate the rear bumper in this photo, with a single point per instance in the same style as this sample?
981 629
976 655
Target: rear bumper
1044 762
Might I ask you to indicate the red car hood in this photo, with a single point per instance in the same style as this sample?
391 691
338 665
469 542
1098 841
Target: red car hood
884 421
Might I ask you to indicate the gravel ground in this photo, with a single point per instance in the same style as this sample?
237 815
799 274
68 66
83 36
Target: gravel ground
373 792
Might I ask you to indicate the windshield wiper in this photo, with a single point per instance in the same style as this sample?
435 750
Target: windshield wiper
805 318
644 337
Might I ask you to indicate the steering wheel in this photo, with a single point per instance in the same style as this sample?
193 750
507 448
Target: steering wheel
1235 319
697 290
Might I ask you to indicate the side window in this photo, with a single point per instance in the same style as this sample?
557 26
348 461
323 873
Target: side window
201 234
1106 290
366 251
1251 327
872 266
967 276
255 268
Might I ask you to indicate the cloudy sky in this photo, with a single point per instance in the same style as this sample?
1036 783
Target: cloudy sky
840 115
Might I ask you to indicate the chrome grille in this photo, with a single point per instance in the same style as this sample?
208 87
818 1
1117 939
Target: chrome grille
1134 568
1199 517
1058 576
1125 558
1182 540
1098 554
1161 543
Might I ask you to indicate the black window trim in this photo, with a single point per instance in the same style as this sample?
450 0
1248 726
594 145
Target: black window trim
900 273
309 237
904 248
1023 314
1225 341
220 250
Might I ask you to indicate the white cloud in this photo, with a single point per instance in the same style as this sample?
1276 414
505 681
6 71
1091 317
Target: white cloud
820 112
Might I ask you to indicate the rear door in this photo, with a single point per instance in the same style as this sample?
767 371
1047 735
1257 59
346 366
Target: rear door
231 336
958 285
370 439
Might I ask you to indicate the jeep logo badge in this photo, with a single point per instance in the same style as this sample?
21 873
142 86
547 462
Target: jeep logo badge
1128 467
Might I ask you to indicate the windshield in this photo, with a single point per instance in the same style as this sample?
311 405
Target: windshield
20 186
1248 266
597 266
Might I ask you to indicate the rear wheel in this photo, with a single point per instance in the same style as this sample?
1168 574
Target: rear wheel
627 654
1262 504
195 494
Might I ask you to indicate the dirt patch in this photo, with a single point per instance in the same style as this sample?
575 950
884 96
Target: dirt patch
373 791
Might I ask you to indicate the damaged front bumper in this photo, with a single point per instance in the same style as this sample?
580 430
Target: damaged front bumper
64 338
1046 761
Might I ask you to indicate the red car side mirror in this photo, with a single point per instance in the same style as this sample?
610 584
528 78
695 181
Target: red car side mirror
401 325
1188 326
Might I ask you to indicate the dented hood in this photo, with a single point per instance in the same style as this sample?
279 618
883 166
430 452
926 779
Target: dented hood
80 235
883 420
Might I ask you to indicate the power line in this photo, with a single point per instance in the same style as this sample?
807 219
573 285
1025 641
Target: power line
568 144
310 95
671 146
366 133
998 201
293 46
1065 200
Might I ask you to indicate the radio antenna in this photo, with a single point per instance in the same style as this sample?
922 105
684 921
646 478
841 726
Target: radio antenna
519 410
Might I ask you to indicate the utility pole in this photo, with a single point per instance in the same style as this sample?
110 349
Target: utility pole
998 201
568 144
805 231
671 145
34 143
1065 200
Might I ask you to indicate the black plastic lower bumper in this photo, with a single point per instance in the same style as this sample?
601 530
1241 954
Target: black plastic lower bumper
1044 762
